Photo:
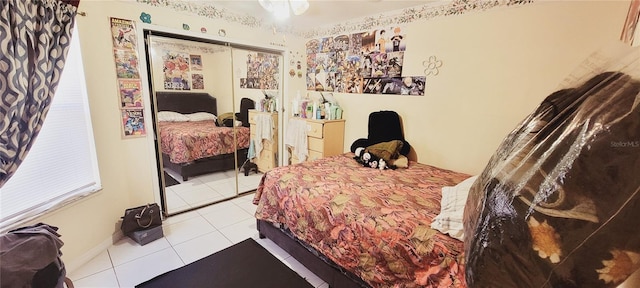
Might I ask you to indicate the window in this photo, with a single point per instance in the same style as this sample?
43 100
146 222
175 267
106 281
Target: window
61 165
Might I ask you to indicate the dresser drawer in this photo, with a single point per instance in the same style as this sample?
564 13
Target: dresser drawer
252 118
266 161
315 144
314 129
253 114
314 155
252 131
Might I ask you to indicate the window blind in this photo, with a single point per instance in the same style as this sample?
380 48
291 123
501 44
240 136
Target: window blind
61 165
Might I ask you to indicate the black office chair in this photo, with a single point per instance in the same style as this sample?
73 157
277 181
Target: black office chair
243 115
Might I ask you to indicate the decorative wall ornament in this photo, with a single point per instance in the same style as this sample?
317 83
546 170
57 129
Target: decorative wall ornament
392 18
431 66
145 18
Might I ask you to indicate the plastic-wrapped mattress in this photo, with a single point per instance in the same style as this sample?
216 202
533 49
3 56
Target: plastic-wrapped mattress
558 205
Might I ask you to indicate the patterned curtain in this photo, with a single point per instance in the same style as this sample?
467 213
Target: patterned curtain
34 39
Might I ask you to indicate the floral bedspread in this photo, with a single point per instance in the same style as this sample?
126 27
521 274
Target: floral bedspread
375 223
188 141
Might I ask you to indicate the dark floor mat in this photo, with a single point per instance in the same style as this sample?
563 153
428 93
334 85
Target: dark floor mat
243 265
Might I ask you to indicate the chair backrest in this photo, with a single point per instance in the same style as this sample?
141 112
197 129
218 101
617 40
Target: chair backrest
243 115
384 126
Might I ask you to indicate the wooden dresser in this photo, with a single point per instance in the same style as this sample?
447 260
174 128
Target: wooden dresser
268 157
324 138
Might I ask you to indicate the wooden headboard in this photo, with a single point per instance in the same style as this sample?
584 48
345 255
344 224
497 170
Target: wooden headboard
186 103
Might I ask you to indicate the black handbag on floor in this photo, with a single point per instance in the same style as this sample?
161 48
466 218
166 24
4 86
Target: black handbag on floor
141 218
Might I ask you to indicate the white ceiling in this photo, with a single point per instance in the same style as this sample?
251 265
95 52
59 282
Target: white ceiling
323 12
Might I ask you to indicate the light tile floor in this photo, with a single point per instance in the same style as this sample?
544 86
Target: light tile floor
187 237
208 188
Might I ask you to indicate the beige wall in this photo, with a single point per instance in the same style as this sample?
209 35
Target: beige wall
498 65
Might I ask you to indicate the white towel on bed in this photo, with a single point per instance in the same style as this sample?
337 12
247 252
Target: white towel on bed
296 138
264 131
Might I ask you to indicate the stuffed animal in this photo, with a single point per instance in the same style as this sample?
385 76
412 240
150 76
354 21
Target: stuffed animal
370 160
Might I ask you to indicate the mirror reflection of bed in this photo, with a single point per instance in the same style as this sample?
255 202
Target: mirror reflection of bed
195 85
198 153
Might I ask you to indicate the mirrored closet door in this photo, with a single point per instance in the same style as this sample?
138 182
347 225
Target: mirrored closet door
257 86
202 106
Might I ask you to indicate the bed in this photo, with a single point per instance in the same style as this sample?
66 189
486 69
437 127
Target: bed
193 148
355 226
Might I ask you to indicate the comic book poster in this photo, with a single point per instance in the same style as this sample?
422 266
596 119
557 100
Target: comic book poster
368 42
394 63
126 63
355 44
341 43
313 46
123 34
196 62
133 122
198 81
379 65
130 93
311 81
372 86
409 85
176 70
396 41
413 85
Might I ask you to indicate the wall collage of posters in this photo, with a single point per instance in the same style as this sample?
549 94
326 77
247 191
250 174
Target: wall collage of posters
263 71
367 62
123 34
182 71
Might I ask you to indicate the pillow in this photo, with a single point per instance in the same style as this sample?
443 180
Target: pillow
386 150
172 116
449 221
202 116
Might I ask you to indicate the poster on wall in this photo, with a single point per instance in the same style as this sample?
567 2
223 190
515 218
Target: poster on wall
126 63
364 62
196 62
133 122
130 93
125 57
262 71
409 85
123 34
197 81
176 70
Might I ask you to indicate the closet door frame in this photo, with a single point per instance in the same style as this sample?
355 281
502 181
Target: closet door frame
142 30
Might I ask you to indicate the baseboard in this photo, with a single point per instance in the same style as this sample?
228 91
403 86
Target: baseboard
72 266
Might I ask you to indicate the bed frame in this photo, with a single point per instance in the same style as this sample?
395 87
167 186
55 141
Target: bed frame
186 103
324 268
